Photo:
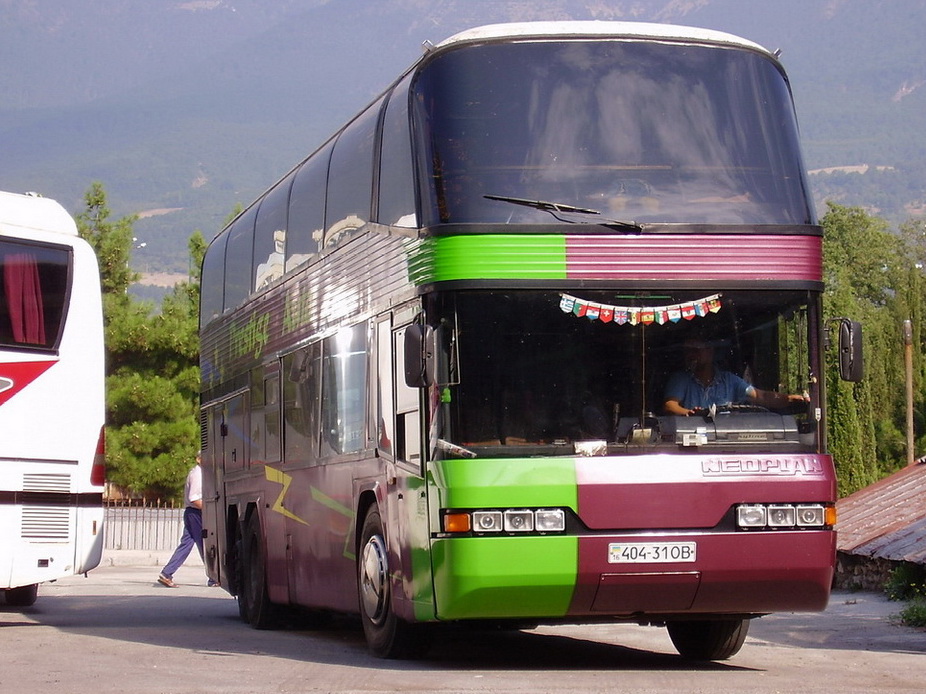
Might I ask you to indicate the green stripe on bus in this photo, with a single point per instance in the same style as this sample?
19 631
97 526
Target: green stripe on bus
484 256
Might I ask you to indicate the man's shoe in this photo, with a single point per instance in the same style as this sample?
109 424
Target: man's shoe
166 581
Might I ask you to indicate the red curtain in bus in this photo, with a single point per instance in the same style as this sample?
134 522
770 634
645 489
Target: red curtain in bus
24 298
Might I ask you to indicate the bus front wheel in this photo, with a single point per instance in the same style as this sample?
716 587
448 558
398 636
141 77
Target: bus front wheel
23 596
710 639
387 636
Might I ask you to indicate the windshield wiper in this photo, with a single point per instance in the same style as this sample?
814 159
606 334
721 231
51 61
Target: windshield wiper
570 213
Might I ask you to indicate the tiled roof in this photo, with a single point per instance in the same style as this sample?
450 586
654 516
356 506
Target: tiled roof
887 520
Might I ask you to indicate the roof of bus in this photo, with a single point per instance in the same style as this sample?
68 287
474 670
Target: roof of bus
20 212
632 30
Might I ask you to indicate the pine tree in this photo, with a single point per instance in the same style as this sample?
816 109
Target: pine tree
152 377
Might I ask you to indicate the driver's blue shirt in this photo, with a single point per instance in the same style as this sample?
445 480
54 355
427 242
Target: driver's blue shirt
726 389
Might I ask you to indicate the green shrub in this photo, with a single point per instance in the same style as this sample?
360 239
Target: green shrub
907 582
914 614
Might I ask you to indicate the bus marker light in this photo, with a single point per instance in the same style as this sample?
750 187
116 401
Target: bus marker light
457 523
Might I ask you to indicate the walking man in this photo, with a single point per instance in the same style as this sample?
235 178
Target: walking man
192 526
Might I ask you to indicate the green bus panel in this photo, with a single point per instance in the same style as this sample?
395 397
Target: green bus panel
497 256
504 577
510 576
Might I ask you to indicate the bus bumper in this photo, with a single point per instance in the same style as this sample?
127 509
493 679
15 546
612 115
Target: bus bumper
569 577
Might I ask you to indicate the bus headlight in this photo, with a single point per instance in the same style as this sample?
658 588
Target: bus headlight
550 520
487 521
513 521
783 516
751 516
810 516
519 521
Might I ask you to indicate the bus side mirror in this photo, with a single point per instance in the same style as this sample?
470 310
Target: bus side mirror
851 365
419 356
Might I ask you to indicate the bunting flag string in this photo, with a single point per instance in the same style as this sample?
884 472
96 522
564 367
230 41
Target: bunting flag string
637 315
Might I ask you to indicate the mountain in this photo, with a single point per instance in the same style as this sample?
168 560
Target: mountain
183 108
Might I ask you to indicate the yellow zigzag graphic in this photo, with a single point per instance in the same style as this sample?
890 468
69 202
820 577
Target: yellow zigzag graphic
280 477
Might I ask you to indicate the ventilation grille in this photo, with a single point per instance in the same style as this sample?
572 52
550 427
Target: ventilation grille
45 517
46 522
60 483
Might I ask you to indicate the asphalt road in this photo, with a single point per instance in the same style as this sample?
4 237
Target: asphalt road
119 631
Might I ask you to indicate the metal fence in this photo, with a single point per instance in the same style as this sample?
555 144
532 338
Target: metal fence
144 527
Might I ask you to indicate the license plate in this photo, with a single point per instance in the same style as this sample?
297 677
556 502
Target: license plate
652 552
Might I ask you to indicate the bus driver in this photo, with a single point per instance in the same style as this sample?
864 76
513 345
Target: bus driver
702 384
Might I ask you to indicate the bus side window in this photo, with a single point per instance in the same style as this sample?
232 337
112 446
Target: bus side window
270 235
407 408
300 403
385 408
343 396
239 254
265 413
350 178
212 281
396 173
307 209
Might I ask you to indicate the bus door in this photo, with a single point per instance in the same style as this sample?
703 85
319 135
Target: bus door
226 428
401 435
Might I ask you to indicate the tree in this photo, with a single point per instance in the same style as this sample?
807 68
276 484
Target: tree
152 377
875 276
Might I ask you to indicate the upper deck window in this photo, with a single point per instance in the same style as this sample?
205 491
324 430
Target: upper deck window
643 131
34 284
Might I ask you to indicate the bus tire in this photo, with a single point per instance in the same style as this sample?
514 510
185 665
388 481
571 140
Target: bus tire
253 601
710 639
387 636
238 568
23 596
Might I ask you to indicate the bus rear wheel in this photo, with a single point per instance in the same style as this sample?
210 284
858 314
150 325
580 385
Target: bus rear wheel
254 604
23 596
710 639
387 636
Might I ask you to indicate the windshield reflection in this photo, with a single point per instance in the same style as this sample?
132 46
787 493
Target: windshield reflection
636 131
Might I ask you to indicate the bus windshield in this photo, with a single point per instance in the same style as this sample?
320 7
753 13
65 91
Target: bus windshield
626 129
562 374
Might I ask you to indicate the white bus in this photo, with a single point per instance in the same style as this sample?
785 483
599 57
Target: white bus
51 398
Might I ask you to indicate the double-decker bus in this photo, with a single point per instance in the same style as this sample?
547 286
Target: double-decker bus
435 353
51 398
